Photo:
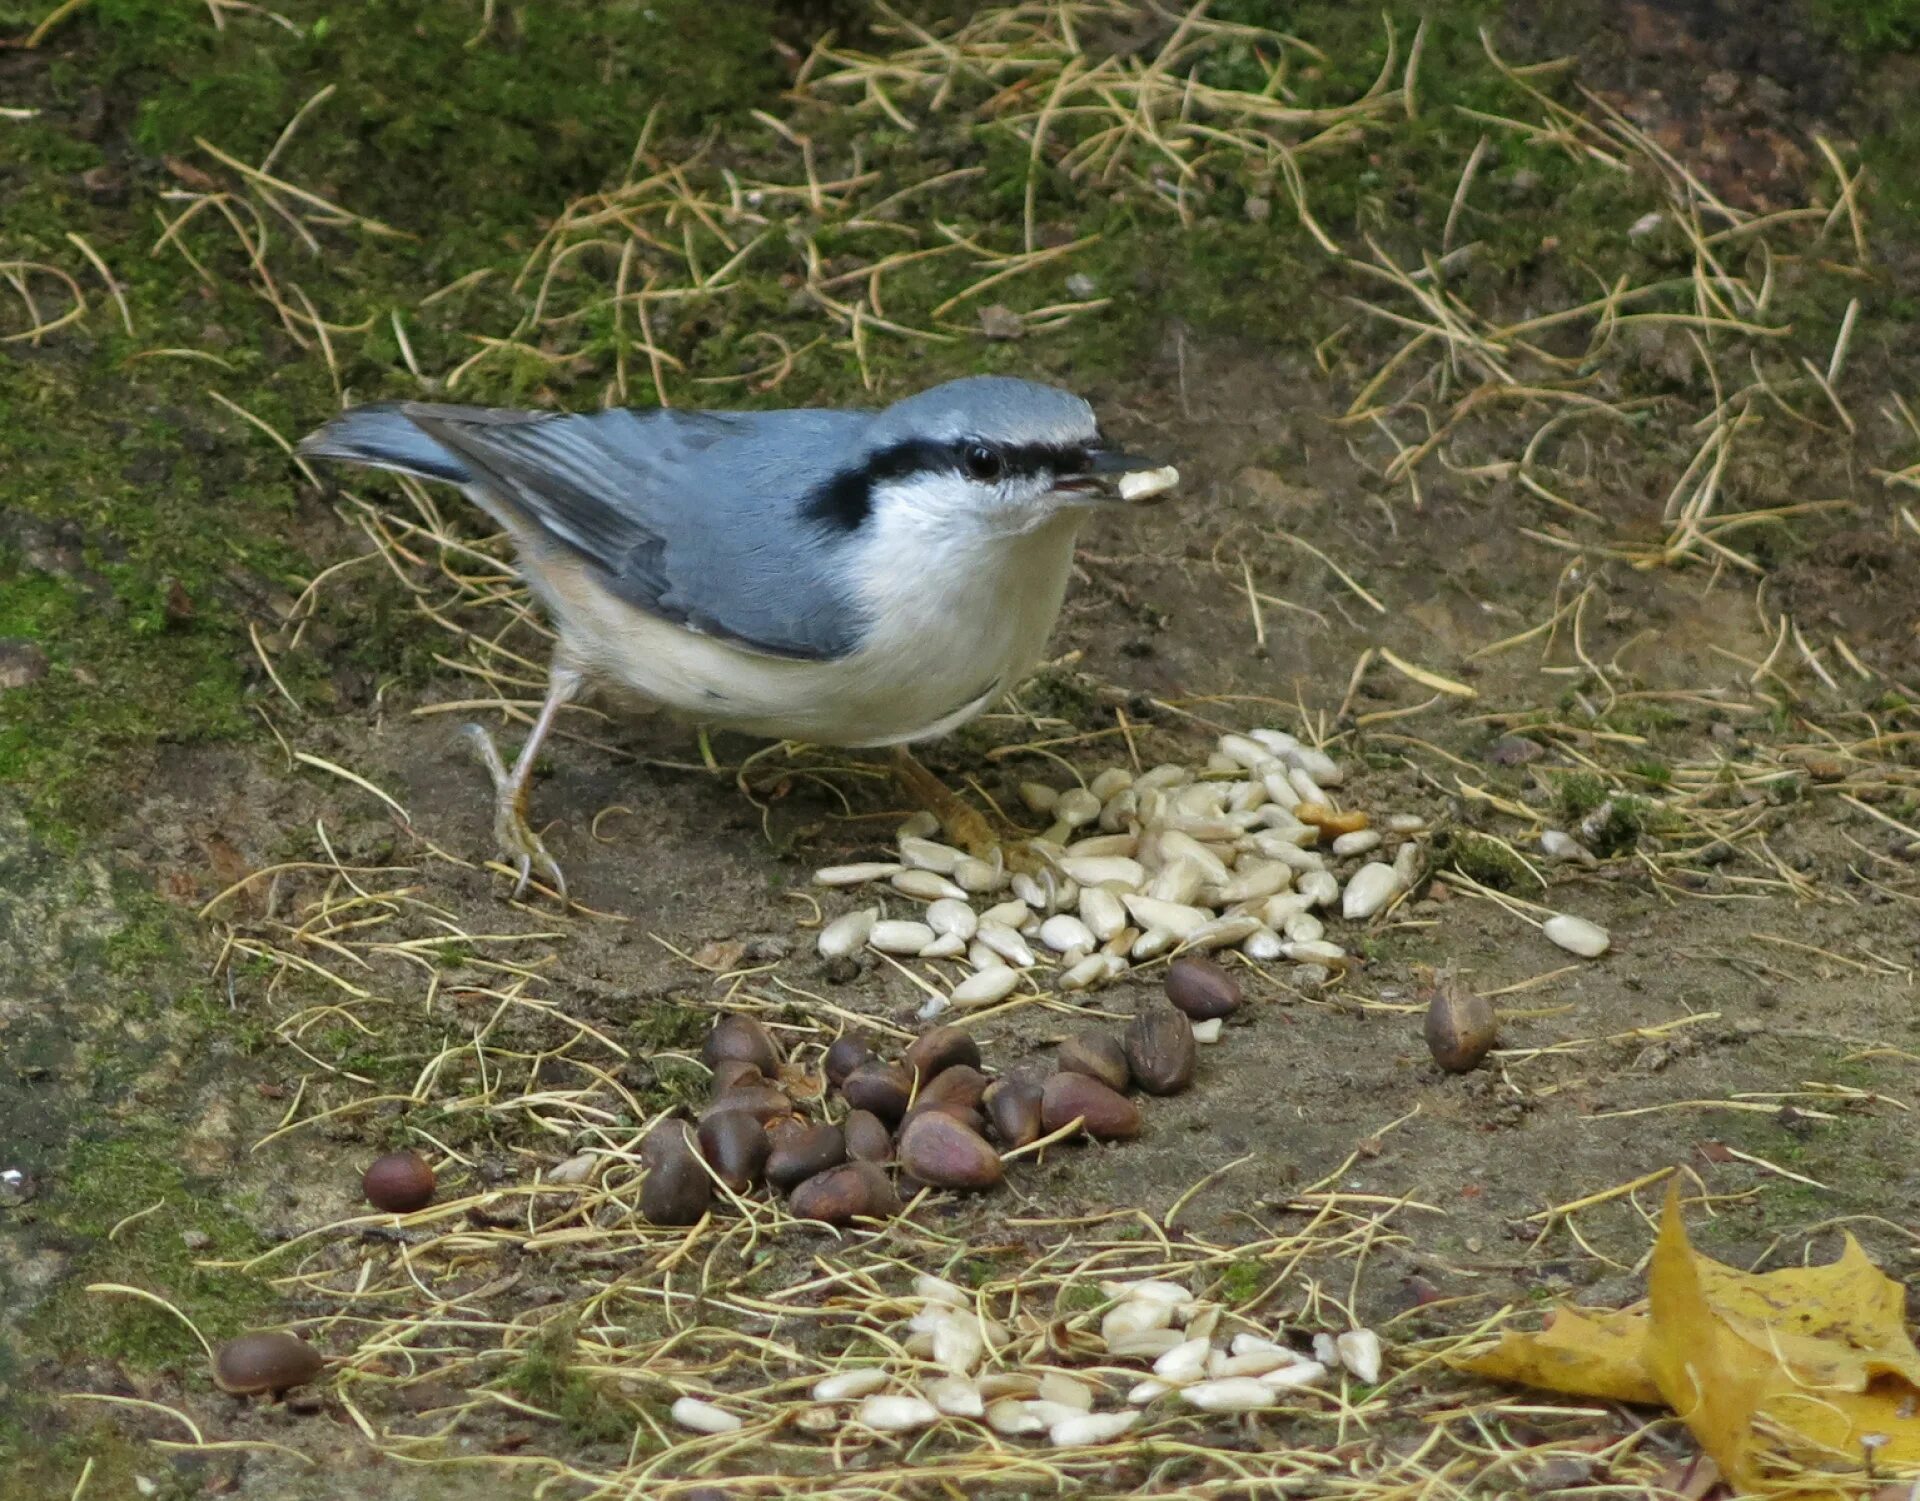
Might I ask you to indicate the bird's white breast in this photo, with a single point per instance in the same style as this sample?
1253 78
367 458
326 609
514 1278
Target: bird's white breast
957 621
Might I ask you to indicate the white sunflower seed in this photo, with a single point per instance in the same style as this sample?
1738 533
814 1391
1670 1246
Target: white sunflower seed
988 987
1173 917
1258 879
1133 1317
1356 843
951 916
1039 797
1221 933
897 1414
1406 823
847 934
1147 1344
1303 927
956 1396
1359 1352
1098 846
1185 1362
1085 973
847 1385
1111 782
945 946
1263 946
1142 484
978 876
928 854
926 886
1013 1418
856 875
1369 890
704 1417
1315 952
1319 887
921 825
1166 774
1076 806
1289 1377
1576 935
1208 1031
1091 1427
1008 944
1105 870
1101 911
1063 932
896 937
1230 1394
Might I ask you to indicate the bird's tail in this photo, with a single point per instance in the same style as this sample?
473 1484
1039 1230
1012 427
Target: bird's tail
384 437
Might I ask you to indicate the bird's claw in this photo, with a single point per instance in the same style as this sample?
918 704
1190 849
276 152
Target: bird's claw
518 845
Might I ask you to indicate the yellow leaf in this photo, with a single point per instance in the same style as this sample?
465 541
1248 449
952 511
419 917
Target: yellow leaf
1711 1378
1799 1384
1584 1352
1793 1381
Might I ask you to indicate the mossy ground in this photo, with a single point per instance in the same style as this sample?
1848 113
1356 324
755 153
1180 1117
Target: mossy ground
144 526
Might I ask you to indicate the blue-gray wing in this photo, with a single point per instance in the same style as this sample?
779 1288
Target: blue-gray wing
696 517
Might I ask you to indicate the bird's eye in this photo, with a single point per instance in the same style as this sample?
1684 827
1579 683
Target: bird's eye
983 464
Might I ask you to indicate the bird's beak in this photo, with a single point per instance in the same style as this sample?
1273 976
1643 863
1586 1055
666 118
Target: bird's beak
1109 474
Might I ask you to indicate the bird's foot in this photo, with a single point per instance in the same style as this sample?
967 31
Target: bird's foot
962 825
519 846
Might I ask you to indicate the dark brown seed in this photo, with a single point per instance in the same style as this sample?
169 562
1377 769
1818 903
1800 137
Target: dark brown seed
665 1140
1201 988
1013 1106
938 1150
256 1363
743 1038
1160 1050
1461 1028
734 1073
848 1052
868 1139
1098 1055
1105 1114
956 1090
677 1190
839 1196
399 1183
802 1149
736 1147
880 1087
933 1053
762 1101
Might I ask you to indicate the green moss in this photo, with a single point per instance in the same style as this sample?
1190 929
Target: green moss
546 1376
1241 1282
1482 859
1578 793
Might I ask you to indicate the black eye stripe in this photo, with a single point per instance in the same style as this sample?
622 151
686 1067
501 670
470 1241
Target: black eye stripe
845 501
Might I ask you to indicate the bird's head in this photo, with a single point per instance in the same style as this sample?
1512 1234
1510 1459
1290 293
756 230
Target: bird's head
987 453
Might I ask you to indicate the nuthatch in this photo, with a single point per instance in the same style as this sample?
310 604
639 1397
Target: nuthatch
846 578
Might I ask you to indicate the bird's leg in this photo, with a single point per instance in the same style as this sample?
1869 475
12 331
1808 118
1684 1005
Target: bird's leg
965 827
518 843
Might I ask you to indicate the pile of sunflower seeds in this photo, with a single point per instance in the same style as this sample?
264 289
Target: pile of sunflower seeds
957 1361
1249 852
